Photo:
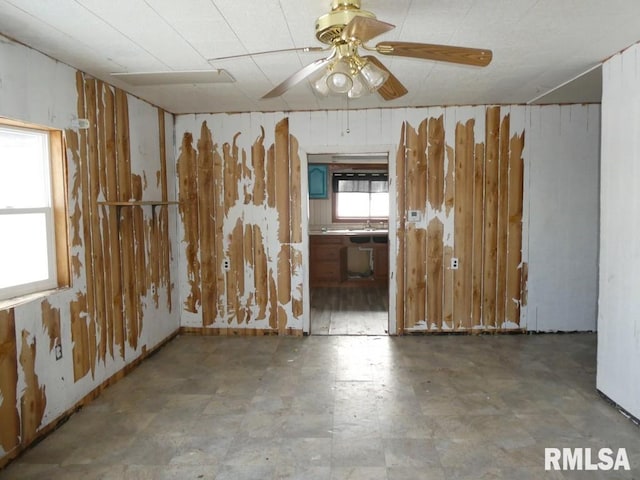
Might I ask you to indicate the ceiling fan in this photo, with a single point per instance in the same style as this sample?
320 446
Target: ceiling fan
346 29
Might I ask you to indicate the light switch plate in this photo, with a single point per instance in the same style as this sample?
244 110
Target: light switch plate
414 216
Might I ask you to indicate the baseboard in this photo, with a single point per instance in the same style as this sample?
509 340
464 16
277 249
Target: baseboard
617 406
88 398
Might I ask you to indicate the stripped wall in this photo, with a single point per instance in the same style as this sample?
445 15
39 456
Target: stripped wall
466 182
619 302
468 170
241 205
121 303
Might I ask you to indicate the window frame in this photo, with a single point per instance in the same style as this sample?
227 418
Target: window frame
56 217
357 169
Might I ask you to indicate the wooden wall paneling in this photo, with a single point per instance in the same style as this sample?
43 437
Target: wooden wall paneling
400 232
235 255
282 169
33 400
85 209
477 275
9 415
249 262
435 273
79 337
415 279
140 279
102 213
296 223
260 273
126 219
93 90
165 240
449 232
218 236
230 154
435 229
516 272
188 207
503 221
271 176
491 215
463 223
258 157
51 323
273 302
206 225
110 192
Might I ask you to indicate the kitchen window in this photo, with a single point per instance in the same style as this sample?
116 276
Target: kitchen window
361 196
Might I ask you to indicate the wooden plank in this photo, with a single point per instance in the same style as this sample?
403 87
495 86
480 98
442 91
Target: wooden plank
282 169
503 222
188 206
401 214
93 174
258 157
218 237
112 239
206 224
33 400
463 224
84 200
435 168
140 252
478 236
51 323
249 264
165 240
260 273
9 416
435 273
449 202
516 279
236 269
295 193
273 302
126 221
230 175
60 201
271 177
491 215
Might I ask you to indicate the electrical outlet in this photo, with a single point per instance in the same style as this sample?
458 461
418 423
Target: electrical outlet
226 265
58 352
454 263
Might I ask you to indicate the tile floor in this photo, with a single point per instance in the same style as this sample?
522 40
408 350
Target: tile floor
349 311
339 407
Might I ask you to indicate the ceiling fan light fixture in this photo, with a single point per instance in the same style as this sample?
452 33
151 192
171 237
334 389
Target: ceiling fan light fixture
339 79
373 76
320 85
358 89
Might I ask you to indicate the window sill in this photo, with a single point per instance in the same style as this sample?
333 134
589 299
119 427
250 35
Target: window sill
31 297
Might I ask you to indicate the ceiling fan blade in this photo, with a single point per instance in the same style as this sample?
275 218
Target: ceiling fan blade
441 53
392 88
298 49
297 77
365 28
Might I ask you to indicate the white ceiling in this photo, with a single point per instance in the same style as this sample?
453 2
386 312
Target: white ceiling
538 46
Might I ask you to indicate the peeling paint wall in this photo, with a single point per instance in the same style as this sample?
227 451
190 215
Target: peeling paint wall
466 182
619 303
240 207
121 303
467 170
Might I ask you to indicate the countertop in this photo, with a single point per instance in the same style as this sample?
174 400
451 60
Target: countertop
350 231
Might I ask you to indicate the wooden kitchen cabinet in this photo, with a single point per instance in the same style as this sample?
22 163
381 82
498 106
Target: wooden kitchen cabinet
328 261
325 257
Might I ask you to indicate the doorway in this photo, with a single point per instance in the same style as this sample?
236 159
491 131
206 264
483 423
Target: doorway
348 227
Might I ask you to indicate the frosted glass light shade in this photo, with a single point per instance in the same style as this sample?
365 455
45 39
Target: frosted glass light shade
358 89
373 76
339 79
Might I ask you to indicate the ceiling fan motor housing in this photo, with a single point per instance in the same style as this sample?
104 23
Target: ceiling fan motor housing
329 26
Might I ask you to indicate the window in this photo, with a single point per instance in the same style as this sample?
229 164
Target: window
30 218
361 195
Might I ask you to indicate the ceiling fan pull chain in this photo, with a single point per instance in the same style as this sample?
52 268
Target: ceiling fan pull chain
348 129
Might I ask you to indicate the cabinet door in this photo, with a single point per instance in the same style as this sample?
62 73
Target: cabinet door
381 262
318 181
